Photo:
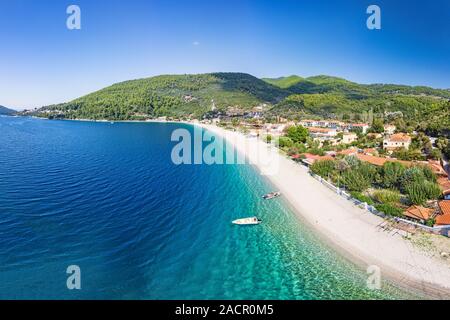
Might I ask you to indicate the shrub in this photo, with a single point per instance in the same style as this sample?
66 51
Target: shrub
420 192
410 176
389 209
386 196
368 171
323 168
429 174
285 142
430 222
361 197
391 174
352 161
355 181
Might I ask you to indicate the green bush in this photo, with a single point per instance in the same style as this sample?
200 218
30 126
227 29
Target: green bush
285 142
361 197
297 133
323 168
391 174
355 181
420 192
410 176
389 209
386 196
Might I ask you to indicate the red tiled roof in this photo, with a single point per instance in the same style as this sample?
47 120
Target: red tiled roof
418 212
444 205
444 184
437 168
443 218
348 151
400 137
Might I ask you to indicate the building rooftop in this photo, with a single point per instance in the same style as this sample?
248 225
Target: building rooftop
418 212
443 218
399 137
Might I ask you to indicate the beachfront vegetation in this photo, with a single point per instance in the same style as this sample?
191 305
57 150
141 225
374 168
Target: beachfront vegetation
297 134
391 187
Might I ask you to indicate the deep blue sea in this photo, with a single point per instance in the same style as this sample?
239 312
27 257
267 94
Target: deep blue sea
108 198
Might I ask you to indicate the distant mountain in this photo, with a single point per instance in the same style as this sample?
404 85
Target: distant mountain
6 111
320 96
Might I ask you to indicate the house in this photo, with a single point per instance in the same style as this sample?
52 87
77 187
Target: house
308 123
352 126
436 167
444 217
322 133
396 141
275 130
418 213
389 129
444 184
349 137
309 158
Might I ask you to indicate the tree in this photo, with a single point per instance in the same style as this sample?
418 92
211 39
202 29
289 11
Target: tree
285 142
297 133
391 174
377 126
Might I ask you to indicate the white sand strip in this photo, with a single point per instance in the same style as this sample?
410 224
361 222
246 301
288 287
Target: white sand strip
352 231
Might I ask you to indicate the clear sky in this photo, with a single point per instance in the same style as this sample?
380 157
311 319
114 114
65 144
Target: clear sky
42 62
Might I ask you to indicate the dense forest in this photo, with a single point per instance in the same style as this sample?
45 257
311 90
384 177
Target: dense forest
193 96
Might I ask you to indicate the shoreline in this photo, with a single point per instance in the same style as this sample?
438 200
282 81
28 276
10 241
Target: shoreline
351 231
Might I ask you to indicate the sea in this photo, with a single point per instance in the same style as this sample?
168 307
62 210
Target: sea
99 210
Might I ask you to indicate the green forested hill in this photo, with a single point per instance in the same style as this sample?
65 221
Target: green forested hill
331 97
172 95
290 97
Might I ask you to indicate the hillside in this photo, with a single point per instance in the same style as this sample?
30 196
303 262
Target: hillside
331 97
320 96
6 111
172 95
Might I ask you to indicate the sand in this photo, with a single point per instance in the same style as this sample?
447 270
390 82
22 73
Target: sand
352 231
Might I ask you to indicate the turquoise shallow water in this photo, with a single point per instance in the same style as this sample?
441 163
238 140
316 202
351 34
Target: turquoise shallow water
107 198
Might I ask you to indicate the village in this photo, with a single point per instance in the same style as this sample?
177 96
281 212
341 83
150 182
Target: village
401 174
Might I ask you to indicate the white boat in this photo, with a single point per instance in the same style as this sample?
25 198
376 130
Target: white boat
271 195
244 221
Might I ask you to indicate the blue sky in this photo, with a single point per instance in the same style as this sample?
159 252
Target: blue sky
42 62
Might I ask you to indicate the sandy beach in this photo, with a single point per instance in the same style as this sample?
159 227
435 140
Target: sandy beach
352 231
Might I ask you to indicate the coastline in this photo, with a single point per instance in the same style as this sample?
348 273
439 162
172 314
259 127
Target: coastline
348 229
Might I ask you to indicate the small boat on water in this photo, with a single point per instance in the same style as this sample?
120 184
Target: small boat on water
246 221
271 195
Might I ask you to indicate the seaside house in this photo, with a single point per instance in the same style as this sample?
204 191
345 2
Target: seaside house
444 217
322 134
397 141
309 158
418 213
389 129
